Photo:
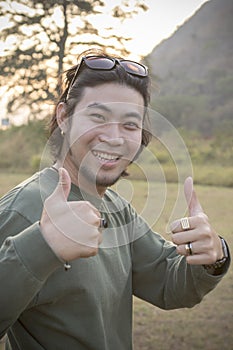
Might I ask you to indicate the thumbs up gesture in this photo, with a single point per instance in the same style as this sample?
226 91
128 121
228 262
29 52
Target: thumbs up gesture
70 228
194 236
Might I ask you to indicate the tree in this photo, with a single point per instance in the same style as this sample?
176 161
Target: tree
45 37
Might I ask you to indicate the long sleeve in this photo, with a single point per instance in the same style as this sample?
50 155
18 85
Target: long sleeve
162 277
26 261
132 259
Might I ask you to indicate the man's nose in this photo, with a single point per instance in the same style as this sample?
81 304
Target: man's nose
112 134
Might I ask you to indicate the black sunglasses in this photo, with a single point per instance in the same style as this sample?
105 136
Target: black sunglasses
108 63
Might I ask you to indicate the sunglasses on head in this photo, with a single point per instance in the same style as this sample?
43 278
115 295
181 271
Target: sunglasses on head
108 63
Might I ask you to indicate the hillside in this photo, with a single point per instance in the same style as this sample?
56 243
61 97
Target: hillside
194 70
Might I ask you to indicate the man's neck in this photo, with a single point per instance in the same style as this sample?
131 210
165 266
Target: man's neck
78 180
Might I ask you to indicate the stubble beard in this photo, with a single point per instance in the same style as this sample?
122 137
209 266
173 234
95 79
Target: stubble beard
98 180
86 176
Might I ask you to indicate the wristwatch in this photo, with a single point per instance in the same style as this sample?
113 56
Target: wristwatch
219 263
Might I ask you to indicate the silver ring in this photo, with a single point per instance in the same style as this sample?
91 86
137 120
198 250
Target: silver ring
185 224
103 223
188 248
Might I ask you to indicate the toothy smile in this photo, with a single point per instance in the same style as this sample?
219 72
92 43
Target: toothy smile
105 156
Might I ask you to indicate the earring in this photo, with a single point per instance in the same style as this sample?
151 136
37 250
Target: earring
62 133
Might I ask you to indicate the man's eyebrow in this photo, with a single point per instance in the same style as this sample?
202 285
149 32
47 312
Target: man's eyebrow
102 106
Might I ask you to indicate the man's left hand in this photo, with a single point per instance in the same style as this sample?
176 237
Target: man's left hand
194 236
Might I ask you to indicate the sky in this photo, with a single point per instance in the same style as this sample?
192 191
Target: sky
149 28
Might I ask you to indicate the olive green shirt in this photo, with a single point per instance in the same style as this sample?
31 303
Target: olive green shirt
42 306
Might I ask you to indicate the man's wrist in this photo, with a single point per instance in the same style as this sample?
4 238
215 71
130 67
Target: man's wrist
216 268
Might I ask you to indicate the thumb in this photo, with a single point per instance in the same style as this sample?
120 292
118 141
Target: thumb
194 205
64 184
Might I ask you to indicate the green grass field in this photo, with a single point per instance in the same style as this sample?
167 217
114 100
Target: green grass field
207 326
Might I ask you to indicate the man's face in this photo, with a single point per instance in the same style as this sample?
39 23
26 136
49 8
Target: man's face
106 133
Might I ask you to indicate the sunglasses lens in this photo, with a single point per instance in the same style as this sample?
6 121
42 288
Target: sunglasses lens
104 63
134 68
107 63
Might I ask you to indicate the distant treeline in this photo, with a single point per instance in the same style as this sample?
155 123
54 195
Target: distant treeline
21 148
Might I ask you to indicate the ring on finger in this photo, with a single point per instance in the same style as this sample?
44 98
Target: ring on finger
185 224
189 248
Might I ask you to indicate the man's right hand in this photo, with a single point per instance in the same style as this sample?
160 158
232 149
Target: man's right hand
70 228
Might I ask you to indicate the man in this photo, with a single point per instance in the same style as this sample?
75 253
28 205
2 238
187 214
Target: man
73 251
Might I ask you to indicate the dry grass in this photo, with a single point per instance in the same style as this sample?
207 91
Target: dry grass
8 180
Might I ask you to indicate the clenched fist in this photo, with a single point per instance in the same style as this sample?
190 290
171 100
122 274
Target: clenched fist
70 228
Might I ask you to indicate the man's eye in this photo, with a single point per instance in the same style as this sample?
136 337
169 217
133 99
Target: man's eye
98 116
131 125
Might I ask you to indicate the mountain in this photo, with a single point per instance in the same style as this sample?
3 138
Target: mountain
194 70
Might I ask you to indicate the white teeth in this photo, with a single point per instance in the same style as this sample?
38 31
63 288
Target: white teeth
105 156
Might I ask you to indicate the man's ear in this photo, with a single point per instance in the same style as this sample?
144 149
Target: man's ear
61 115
